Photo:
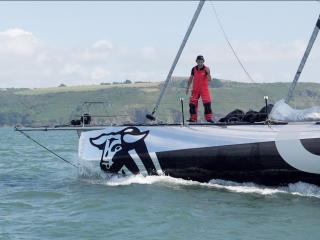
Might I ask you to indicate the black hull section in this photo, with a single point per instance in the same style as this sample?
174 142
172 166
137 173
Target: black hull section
255 162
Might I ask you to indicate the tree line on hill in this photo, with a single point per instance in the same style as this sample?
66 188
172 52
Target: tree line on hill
132 104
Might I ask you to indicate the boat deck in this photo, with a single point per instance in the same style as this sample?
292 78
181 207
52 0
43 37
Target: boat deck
98 127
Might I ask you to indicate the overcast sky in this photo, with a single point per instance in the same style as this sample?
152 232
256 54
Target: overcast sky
45 44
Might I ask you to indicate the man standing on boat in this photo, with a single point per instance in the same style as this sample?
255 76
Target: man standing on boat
200 76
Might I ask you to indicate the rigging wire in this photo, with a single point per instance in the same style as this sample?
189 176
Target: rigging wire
47 149
229 43
176 59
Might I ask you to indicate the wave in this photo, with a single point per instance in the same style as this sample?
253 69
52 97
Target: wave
98 177
300 188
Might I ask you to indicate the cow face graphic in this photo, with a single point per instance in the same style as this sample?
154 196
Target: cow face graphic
115 147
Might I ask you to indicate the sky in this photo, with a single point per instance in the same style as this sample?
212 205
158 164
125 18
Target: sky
44 44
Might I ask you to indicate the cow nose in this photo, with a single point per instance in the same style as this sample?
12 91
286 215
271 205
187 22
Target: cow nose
106 164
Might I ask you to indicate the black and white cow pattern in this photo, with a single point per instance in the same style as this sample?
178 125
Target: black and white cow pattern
115 147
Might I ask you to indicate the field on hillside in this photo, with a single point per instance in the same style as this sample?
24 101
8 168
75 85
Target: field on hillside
84 88
130 102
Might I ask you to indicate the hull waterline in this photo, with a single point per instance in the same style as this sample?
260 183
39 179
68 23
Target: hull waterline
269 155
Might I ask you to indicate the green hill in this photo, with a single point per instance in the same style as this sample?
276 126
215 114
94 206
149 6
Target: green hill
130 102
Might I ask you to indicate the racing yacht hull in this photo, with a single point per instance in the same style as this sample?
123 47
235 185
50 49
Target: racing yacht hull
269 155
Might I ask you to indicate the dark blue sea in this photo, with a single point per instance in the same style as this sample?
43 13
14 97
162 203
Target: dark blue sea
42 197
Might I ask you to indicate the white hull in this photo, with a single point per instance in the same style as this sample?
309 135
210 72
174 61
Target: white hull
201 152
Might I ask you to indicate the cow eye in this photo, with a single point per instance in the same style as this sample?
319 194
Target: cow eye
116 148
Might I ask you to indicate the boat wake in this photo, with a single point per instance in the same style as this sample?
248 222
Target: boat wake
88 174
299 189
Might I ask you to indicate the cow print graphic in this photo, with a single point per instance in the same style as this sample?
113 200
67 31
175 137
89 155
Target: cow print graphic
115 147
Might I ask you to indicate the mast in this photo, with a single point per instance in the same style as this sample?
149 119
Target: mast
303 61
176 59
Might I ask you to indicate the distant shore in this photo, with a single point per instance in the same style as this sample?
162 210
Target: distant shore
131 101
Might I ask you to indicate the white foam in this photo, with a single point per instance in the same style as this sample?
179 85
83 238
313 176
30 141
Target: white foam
91 170
244 187
299 188
93 174
304 189
141 179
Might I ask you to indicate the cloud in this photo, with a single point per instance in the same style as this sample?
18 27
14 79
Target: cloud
99 50
252 51
268 51
27 61
141 75
149 53
72 69
16 41
102 45
266 61
99 73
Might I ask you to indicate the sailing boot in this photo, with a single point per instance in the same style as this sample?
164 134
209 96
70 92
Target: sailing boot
193 113
208 112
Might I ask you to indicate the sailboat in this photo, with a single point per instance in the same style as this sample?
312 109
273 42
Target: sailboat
277 151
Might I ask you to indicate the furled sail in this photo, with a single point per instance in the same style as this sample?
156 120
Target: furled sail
281 111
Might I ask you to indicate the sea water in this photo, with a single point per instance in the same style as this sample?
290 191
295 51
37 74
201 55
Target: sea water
42 197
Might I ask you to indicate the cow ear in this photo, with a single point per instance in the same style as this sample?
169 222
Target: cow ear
130 138
98 141
131 130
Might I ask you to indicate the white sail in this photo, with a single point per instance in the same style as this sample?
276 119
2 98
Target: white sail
283 112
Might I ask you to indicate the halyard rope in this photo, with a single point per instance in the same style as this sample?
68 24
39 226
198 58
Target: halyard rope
229 43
